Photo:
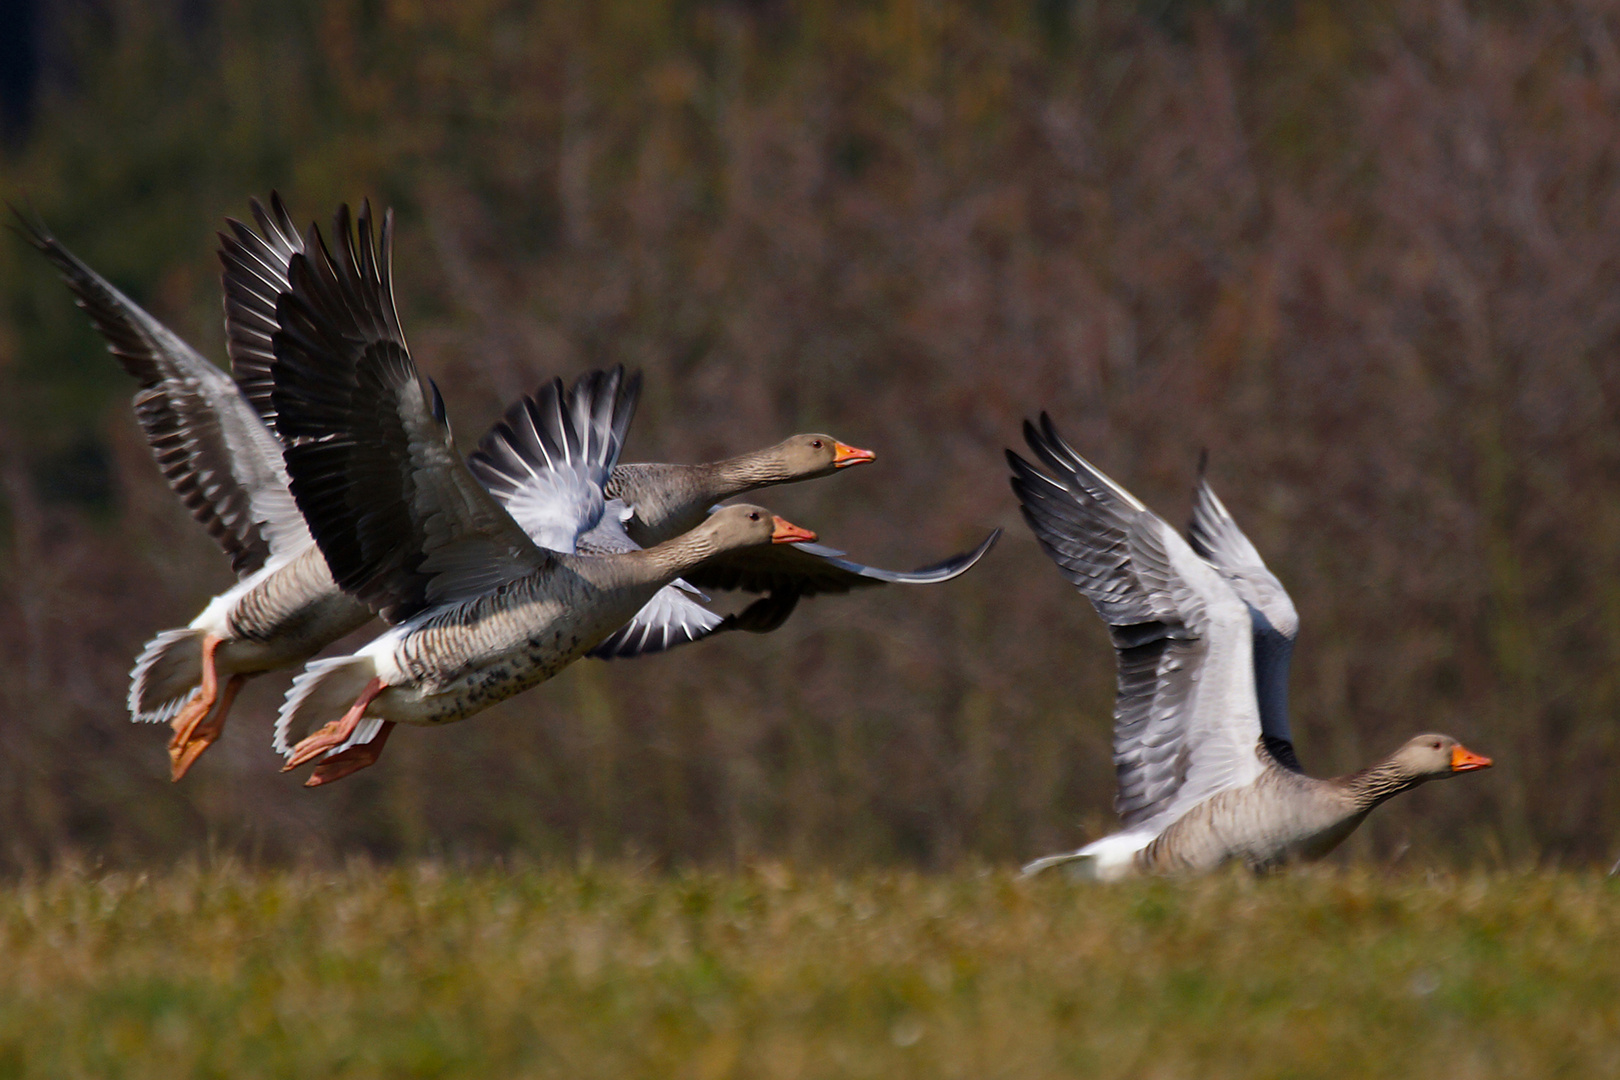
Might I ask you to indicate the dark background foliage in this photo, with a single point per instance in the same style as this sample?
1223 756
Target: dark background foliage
1367 254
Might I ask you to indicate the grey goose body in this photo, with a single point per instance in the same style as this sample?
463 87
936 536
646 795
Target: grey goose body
448 662
1203 633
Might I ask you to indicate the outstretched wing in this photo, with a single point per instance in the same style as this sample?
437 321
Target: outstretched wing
1186 724
812 569
216 454
402 523
255 276
1215 535
549 458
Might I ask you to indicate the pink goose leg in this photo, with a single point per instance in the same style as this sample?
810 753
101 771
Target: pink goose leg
182 757
185 725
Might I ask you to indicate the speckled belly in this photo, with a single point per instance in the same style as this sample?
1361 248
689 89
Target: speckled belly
514 650
475 689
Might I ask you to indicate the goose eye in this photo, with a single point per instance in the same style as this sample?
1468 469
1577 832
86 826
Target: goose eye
753 517
816 443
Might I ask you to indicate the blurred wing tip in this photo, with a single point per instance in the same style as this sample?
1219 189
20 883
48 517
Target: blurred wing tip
30 226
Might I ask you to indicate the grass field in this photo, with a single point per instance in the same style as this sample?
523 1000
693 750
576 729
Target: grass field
609 972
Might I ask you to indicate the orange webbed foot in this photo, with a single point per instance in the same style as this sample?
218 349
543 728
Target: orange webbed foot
188 720
351 760
184 754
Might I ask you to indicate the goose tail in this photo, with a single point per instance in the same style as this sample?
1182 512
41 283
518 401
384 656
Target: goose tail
1109 859
1074 863
320 694
166 675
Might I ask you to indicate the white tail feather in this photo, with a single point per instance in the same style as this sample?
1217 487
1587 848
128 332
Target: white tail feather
364 732
1110 859
1032 868
166 675
321 693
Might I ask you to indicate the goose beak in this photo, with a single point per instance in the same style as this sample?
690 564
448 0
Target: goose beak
1465 760
845 455
785 532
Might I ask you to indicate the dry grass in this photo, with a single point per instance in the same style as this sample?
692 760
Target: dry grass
609 972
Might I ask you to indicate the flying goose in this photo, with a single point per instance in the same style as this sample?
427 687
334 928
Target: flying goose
1203 631
480 610
211 438
651 503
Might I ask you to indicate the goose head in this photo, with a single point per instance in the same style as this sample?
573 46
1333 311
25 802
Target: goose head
1436 757
803 457
745 525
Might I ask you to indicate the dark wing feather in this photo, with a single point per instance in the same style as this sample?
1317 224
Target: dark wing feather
812 569
217 456
255 275
764 615
548 460
402 523
1185 719
1215 535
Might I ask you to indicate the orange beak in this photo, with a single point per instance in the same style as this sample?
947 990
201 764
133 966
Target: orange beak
785 532
1465 760
844 455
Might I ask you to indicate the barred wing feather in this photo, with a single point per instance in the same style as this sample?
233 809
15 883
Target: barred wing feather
255 276
215 452
402 522
548 460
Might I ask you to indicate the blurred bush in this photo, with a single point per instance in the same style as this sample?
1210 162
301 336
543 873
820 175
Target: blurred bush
1366 254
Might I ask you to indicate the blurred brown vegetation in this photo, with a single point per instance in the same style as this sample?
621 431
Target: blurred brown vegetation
1367 254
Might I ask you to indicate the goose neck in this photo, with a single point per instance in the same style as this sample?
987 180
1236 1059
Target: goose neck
674 557
745 473
1377 783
